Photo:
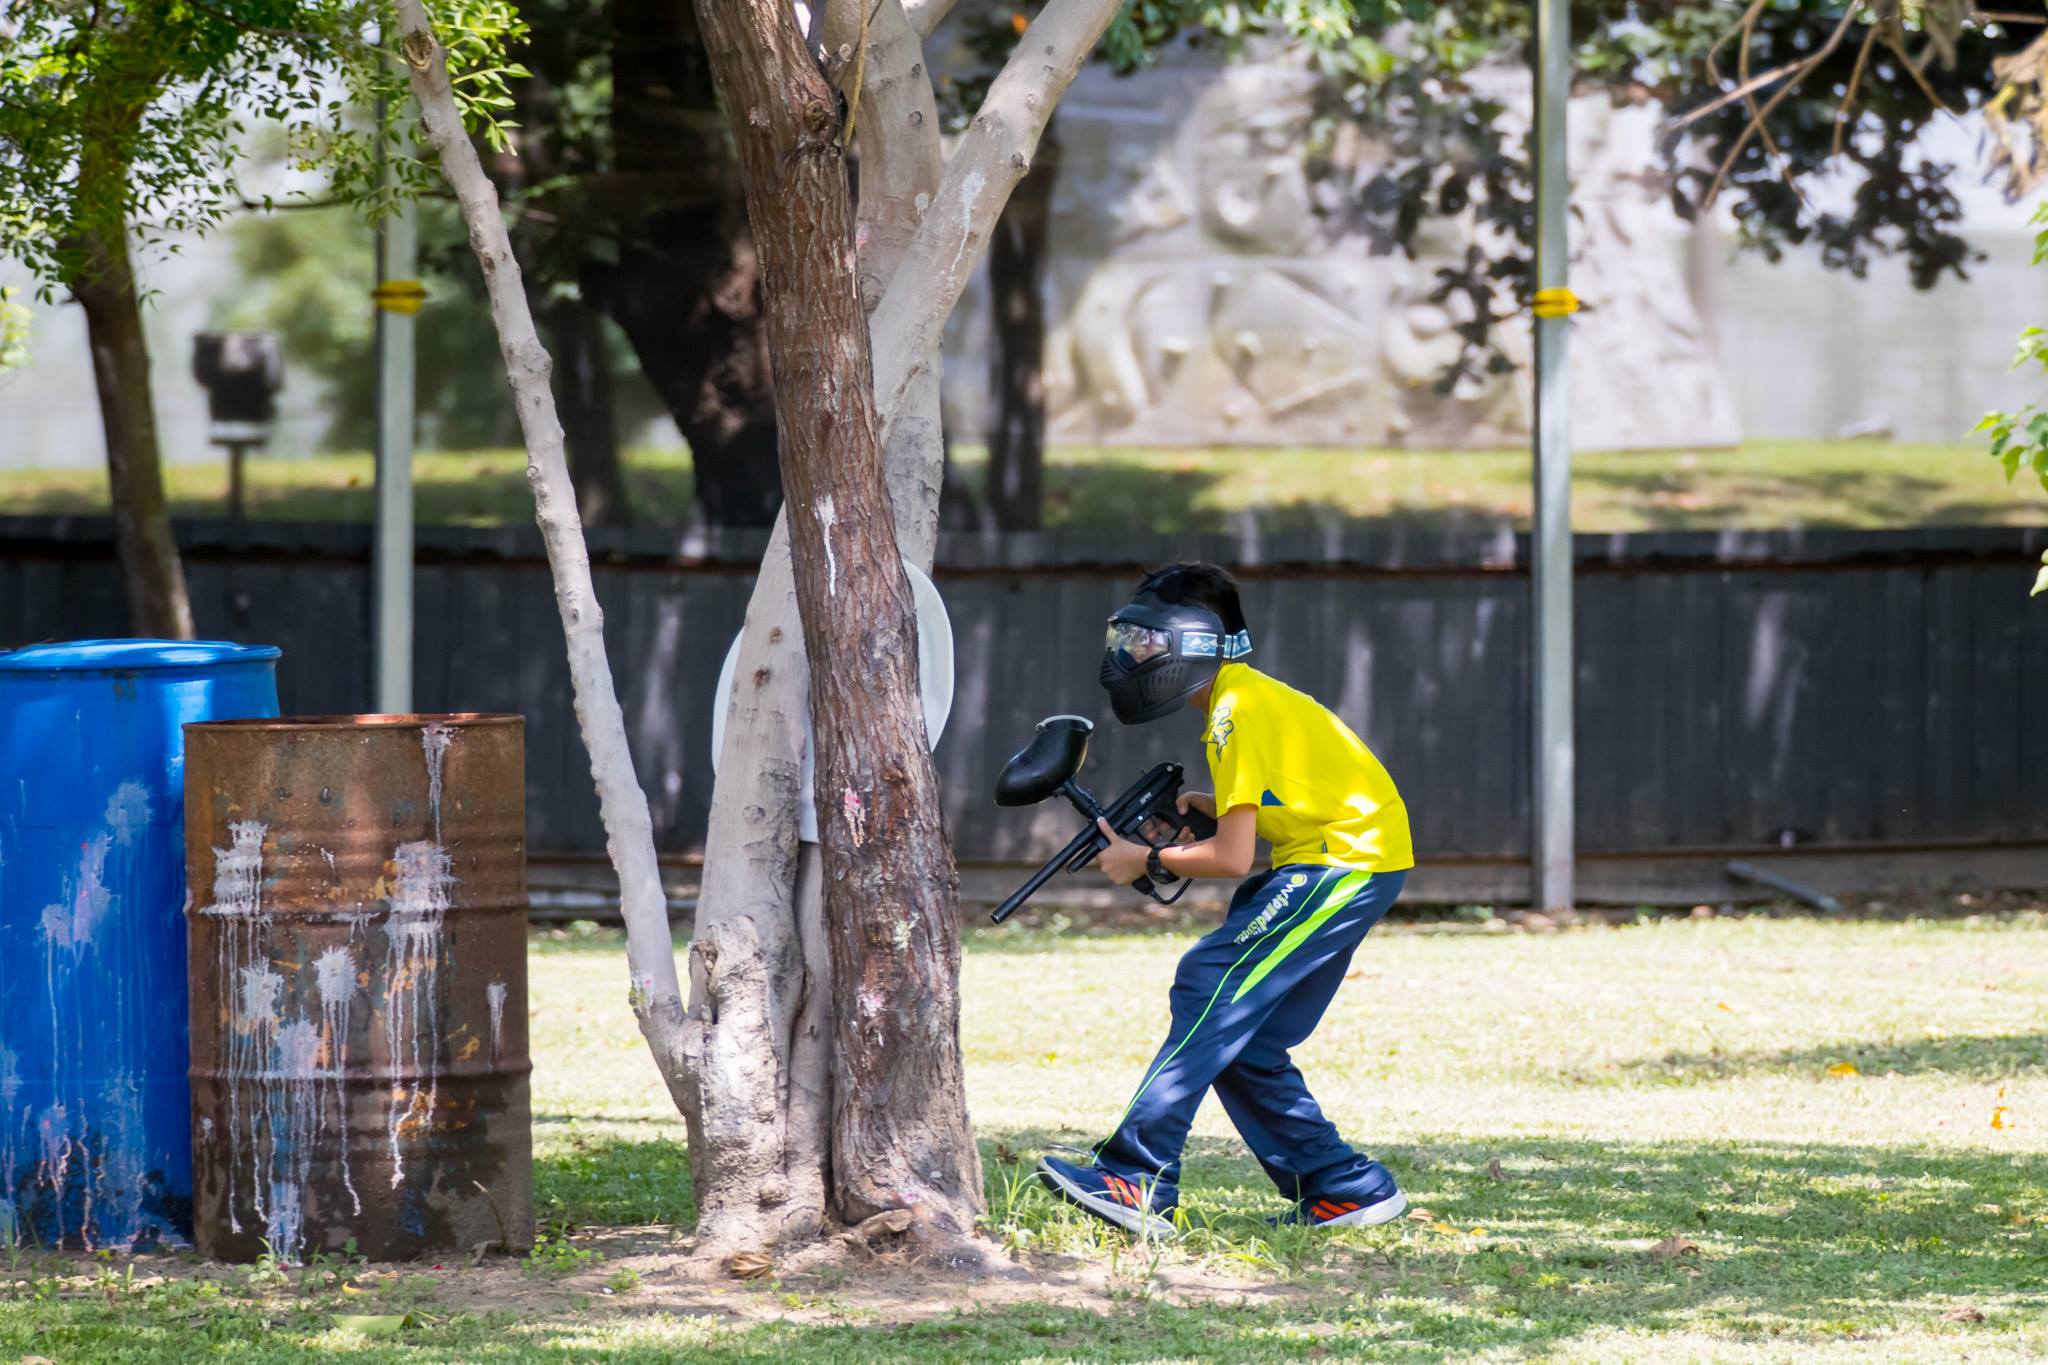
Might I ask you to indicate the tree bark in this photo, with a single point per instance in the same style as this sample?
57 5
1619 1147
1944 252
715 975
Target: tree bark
583 388
686 288
656 994
900 1133
760 979
758 1047
1016 278
746 1000
151 573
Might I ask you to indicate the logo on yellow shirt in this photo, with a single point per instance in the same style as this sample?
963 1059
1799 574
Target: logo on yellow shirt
1220 728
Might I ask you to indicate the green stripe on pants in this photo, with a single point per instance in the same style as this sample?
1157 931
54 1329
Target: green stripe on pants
1340 896
1308 903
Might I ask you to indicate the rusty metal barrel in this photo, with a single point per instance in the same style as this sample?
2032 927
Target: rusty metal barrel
357 951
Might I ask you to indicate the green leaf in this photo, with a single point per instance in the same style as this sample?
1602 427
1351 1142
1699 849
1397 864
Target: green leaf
2040 579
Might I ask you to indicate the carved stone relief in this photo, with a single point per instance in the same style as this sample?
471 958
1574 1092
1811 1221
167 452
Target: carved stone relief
1198 296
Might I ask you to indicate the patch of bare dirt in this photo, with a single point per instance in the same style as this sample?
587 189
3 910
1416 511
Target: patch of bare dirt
652 1270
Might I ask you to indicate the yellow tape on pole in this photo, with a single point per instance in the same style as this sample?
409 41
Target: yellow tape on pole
1554 303
403 297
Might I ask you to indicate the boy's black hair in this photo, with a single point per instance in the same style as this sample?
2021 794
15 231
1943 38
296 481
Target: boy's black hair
1194 583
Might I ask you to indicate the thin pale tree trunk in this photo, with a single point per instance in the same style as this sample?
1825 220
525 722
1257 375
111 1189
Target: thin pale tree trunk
656 993
900 1133
152 574
993 156
1016 286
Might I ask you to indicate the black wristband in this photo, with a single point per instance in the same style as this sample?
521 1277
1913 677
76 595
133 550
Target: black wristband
1156 869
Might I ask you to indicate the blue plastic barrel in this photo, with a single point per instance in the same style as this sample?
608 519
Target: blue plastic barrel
96 1148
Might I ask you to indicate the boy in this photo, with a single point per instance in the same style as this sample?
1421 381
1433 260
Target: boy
1288 771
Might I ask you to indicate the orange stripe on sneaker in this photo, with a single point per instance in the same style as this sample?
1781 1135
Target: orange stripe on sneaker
1347 1208
1323 1209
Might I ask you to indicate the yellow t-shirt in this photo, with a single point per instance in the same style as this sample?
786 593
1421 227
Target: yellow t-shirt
1322 796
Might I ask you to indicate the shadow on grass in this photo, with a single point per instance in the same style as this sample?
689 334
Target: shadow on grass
486 488
1534 1242
1163 500
1667 500
1978 1056
599 1177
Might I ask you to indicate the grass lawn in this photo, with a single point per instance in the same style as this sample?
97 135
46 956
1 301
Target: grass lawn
1764 484
1739 1139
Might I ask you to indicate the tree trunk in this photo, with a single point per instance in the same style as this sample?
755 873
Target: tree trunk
686 289
656 993
760 979
583 390
900 1133
1016 278
151 572
749 1001
573 327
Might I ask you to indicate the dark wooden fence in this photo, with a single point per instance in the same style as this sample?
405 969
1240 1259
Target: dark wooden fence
1737 691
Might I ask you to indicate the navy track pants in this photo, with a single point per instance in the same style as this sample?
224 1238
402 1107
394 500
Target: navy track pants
1244 996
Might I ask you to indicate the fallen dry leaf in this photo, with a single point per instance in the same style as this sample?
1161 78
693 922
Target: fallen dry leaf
1963 1314
1842 1069
1493 1169
750 1265
1674 1246
1421 1216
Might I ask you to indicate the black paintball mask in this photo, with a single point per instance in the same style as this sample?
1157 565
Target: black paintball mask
1161 653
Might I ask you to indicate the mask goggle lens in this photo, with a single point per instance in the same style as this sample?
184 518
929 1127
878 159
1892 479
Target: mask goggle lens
1133 645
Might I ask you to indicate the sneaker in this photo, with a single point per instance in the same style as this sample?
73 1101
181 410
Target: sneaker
1344 1213
1370 1199
1110 1197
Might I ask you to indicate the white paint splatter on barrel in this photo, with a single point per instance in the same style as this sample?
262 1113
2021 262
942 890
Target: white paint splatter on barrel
421 880
494 995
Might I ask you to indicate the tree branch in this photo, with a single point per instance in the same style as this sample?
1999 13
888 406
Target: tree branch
992 157
1762 115
926 15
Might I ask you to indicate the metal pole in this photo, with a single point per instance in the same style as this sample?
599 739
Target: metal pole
397 297
1551 543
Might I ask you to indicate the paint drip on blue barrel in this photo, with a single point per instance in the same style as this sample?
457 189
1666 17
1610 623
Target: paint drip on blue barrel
95 1137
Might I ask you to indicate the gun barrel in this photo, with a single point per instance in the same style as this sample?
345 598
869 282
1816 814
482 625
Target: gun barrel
1075 847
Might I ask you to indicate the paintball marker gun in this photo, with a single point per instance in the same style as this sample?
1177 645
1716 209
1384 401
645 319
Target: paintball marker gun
1046 766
